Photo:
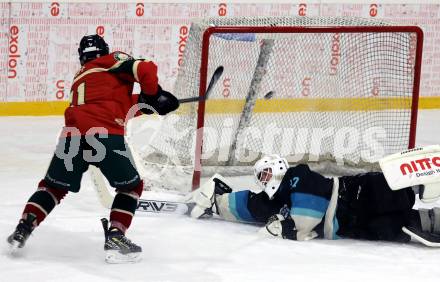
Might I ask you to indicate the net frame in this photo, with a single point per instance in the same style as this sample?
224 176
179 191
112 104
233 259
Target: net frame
171 159
210 31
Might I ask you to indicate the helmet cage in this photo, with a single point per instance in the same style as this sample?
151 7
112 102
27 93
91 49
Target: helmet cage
265 176
277 166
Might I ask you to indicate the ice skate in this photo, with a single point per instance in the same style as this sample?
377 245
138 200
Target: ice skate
118 248
22 232
426 228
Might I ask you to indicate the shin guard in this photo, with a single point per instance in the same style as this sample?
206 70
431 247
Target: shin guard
124 206
42 202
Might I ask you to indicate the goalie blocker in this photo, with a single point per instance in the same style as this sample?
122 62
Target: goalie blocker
416 167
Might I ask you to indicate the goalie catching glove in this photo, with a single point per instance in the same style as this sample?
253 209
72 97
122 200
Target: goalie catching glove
284 227
279 226
163 102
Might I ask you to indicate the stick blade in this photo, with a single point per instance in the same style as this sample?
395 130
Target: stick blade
218 72
269 95
215 77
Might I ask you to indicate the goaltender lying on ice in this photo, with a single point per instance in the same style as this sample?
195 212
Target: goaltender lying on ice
299 204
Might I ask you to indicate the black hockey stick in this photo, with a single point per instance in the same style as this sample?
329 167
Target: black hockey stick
215 77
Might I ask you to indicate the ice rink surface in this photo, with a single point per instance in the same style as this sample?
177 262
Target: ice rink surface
68 246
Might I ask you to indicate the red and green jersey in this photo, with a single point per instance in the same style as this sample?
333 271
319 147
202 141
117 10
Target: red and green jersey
101 92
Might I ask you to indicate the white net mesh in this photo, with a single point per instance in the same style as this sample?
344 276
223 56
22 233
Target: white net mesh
344 97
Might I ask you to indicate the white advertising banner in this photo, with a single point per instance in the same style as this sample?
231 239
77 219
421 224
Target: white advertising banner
39 41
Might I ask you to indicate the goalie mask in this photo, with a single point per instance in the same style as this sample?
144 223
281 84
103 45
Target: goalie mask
269 171
92 47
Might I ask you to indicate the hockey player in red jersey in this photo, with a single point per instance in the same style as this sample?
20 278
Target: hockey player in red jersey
101 98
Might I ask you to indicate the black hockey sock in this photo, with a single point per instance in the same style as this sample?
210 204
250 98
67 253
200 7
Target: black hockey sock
124 206
42 202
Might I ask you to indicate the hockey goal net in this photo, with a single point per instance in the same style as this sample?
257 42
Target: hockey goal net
341 90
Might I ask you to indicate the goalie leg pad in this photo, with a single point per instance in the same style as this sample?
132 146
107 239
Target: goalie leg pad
430 220
429 193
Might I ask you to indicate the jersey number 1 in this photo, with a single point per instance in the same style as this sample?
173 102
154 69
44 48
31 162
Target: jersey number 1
78 97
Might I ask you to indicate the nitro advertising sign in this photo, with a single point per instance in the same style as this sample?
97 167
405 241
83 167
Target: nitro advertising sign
412 167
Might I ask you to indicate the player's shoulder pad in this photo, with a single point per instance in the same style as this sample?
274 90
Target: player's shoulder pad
289 171
121 56
299 168
295 172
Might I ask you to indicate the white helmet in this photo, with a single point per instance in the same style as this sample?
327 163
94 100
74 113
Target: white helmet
269 171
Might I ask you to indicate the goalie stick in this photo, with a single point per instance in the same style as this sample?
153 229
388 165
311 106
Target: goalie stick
144 205
157 206
215 77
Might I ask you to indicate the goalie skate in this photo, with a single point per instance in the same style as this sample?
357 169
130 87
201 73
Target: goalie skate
426 230
426 238
118 248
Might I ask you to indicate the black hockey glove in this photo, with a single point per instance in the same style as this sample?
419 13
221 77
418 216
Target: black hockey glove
163 102
277 225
